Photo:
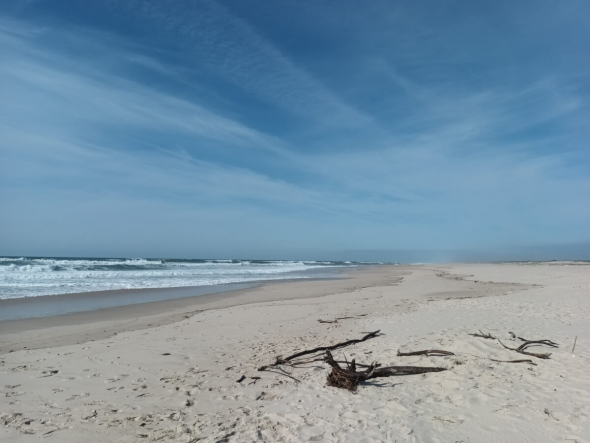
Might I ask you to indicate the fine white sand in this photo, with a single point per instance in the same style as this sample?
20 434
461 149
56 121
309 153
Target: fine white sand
113 378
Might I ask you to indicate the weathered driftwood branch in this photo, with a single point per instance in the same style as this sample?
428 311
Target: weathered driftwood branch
389 371
358 364
433 352
501 361
349 378
522 348
513 361
541 342
288 359
482 335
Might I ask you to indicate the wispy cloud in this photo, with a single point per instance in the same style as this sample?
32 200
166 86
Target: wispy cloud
233 49
35 82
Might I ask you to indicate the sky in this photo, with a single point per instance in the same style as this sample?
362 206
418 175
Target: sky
295 129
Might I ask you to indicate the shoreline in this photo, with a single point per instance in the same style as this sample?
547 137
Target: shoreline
97 324
52 305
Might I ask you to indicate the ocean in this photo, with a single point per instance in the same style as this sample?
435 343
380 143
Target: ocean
44 276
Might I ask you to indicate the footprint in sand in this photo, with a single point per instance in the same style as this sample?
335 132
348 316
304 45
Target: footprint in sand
75 396
117 378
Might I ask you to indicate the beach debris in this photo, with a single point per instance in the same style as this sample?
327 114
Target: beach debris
241 379
255 380
575 340
350 378
94 414
545 342
514 361
429 352
289 360
522 348
166 353
339 318
482 335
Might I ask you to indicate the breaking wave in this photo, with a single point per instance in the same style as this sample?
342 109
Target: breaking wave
32 276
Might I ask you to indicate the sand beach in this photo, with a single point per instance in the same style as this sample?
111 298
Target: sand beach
186 370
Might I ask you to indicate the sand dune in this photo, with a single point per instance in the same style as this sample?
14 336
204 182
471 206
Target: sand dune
178 381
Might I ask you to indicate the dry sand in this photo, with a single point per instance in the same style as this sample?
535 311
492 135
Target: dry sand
109 376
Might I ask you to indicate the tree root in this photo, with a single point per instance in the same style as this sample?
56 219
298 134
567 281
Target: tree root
349 378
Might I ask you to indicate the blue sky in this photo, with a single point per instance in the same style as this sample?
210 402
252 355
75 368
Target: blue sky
295 129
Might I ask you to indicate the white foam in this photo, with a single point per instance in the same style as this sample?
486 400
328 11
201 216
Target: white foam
32 277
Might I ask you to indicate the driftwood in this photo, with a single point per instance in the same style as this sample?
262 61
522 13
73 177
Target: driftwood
513 361
349 378
433 352
542 342
482 335
390 371
522 348
287 360
576 339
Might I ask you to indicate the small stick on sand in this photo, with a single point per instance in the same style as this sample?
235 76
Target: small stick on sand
335 320
575 340
482 335
514 361
433 352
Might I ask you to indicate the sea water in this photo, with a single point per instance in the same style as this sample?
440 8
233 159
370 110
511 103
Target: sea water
45 276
